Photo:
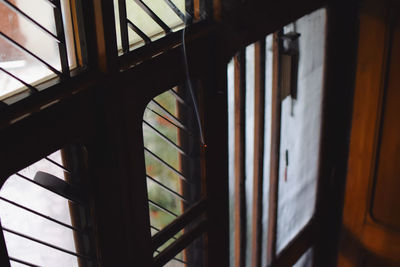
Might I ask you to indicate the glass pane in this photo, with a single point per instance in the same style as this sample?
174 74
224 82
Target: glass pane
231 159
300 132
29 209
249 147
171 186
164 12
23 31
267 143
145 23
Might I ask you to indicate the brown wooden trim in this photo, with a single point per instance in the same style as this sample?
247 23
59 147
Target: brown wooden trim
258 177
106 35
240 160
275 151
297 247
179 223
215 119
245 22
340 61
26 141
180 244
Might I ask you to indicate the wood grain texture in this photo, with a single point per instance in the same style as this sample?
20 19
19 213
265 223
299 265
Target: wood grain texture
240 160
258 164
275 150
386 194
373 145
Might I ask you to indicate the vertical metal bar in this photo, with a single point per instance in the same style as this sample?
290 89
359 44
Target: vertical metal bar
275 150
258 179
4 260
240 164
123 24
62 45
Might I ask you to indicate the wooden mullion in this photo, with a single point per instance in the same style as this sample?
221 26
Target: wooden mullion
179 223
275 151
240 160
105 34
341 61
214 113
258 183
296 247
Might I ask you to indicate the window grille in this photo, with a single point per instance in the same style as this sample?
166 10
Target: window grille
173 174
37 44
44 214
141 22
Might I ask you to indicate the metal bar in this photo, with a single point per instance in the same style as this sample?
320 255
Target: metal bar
160 134
240 161
23 14
123 24
33 89
41 215
178 224
136 29
62 46
166 164
61 187
176 10
14 43
24 262
169 114
167 188
275 150
42 186
168 120
179 98
153 15
46 244
169 253
162 208
258 178
57 164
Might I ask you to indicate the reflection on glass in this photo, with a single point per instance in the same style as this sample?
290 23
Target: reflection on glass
20 29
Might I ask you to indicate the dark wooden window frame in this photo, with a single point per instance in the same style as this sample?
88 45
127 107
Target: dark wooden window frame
103 109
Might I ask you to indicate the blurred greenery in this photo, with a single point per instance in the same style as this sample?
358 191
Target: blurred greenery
155 169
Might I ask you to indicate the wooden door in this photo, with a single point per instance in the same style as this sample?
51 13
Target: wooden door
371 218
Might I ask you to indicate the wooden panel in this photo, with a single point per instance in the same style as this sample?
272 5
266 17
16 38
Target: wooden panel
374 145
240 161
386 201
275 150
258 173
